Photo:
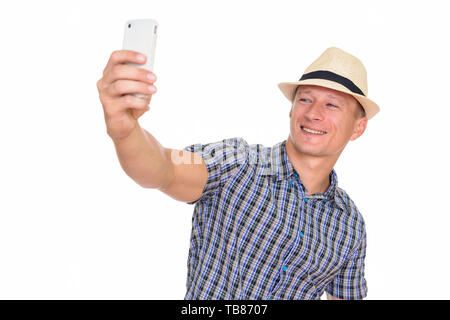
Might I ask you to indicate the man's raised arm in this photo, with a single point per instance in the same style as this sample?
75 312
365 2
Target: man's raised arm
141 156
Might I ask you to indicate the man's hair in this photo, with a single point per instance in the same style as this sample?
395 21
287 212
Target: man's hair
359 113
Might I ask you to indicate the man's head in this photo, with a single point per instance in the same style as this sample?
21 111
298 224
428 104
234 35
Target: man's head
337 70
324 120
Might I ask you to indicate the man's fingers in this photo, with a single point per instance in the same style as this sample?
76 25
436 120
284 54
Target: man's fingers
133 102
123 56
125 102
121 87
127 72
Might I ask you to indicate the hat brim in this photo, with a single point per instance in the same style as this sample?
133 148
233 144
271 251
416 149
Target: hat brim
288 89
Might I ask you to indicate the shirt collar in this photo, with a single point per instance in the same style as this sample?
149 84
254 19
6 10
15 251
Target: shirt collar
282 169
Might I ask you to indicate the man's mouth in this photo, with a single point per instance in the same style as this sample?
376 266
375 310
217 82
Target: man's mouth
313 131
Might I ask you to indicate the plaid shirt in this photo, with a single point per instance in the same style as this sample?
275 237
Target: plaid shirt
256 234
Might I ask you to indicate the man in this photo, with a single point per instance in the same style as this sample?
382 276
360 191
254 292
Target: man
269 222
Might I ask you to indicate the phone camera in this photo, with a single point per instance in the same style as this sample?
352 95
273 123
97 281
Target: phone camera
129 25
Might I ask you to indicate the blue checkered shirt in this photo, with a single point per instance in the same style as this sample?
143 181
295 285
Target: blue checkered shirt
256 234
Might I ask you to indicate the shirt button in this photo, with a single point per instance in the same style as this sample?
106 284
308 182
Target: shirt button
291 183
324 200
306 199
301 234
296 175
284 268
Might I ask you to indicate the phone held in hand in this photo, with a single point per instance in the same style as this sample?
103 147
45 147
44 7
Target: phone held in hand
140 35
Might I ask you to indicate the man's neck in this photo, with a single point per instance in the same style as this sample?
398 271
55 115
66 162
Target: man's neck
314 171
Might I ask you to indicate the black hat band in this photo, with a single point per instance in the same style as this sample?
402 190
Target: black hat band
328 75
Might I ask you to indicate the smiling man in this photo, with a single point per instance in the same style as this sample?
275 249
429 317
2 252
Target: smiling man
268 222
323 121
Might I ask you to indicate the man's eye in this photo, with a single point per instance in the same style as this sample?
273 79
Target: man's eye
332 105
302 99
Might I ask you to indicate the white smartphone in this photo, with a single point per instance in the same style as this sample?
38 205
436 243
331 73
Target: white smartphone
140 35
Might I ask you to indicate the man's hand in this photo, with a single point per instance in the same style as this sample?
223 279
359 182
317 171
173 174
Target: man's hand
330 297
121 109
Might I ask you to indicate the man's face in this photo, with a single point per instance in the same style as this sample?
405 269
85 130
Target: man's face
331 114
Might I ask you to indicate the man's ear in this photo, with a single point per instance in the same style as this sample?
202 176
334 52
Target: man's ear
360 127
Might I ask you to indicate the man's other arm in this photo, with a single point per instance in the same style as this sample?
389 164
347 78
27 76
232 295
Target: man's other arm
330 297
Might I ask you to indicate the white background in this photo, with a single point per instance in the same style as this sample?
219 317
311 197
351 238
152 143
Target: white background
73 225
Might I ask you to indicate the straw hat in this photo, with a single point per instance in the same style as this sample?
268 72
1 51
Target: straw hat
338 70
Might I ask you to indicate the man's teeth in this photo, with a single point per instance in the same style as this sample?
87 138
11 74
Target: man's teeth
313 131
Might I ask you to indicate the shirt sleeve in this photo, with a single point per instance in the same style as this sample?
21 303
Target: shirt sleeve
350 283
222 158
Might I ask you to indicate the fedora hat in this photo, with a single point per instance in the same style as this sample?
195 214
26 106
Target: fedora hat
338 70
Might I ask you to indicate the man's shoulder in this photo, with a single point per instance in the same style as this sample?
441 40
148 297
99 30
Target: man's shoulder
256 153
235 152
255 148
234 142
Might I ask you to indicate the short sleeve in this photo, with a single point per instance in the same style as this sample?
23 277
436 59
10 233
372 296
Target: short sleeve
350 284
223 159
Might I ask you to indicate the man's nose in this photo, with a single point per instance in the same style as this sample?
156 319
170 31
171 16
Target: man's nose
314 112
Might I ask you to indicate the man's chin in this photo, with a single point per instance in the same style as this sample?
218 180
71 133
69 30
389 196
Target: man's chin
313 152
310 150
